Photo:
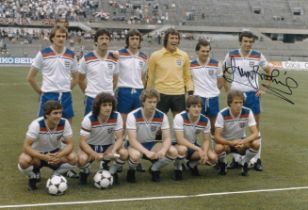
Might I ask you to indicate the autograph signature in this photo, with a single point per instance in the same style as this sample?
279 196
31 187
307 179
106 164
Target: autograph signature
287 84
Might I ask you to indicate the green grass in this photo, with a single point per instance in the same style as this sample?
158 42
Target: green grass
284 153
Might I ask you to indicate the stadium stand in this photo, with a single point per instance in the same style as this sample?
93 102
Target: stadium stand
279 24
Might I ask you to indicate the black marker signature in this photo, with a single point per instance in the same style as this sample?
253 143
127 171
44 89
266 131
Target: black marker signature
288 84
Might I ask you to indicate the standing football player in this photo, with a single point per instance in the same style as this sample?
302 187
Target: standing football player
98 70
208 80
58 66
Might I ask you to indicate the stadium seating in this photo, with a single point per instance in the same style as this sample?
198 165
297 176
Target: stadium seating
288 14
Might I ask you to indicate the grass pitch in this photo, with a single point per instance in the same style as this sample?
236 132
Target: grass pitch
284 154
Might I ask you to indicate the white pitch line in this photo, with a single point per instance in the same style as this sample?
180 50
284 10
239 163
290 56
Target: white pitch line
150 198
14 84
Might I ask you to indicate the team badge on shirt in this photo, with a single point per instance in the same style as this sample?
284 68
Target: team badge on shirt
251 63
242 124
110 130
110 66
67 64
60 138
211 72
179 62
140 64
153 128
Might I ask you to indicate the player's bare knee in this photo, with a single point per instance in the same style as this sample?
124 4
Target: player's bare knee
24 160
255 145
82 160
219 148
182 150
172 152
212 156
72 158
123 154
134 155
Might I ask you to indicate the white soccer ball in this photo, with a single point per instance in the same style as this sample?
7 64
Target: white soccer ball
103 179
56 185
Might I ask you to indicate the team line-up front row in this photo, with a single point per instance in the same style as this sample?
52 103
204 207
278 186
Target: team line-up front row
49 138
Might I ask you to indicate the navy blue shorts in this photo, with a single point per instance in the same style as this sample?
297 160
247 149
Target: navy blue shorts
88 103
100 148
64 98
190 151
46 164
128 99
252 101
210 106
149 146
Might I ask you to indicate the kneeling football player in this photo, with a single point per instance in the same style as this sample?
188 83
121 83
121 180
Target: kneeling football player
230 132
101 138
48 143
188 125
142 126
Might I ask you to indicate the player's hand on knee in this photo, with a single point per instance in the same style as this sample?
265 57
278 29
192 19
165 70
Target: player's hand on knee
54 160
203 159
151 155
98 156
160 154
201 153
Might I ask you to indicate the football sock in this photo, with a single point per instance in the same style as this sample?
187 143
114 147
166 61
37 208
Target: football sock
222 157
258 155
132 165
63 168
85 169
27 171
161 163
178 163
116 165
193 163
237 157
250 153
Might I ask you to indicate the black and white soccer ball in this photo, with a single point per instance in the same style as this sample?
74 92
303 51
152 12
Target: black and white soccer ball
56 185
103 179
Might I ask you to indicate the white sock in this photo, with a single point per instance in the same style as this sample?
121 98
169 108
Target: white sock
27 171
85 169
258 155
116 165
193 163
250 153
178 163
161 163
63 168
132 165
237 157
222 157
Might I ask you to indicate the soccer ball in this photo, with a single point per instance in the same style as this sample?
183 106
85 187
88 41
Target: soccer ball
56 185
103 179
